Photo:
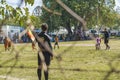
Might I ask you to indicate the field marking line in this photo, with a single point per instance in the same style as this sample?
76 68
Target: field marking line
10 78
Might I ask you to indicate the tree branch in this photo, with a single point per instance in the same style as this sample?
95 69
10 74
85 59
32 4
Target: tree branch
50 11
71 12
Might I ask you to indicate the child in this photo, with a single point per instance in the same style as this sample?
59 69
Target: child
56 41
106 39
98 41
45 38
7 43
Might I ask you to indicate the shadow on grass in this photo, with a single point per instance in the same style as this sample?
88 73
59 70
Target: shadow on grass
65 69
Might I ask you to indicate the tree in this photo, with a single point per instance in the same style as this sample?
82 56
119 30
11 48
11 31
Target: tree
94 12
9 14
15 16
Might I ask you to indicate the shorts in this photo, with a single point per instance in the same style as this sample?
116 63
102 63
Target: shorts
46 57
106 40
56 43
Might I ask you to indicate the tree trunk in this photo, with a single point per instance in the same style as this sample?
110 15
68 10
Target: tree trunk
79 32
68 27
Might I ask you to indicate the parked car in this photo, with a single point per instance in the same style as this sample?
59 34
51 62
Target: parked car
118 34
113 32
93 32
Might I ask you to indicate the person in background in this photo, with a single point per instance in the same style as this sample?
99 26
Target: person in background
7 43
56 42
98 41
106 38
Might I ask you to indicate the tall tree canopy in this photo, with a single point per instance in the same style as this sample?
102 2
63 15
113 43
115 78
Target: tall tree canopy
94 12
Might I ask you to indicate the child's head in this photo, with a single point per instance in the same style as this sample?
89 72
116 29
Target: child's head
44 27
105 29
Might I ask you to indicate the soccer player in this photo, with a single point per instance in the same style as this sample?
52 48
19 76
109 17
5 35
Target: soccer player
56 41
7 43
45 39
106 39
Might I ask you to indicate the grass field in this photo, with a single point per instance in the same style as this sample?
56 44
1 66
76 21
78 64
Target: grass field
80 61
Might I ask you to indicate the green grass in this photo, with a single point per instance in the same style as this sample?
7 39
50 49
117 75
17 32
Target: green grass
79 62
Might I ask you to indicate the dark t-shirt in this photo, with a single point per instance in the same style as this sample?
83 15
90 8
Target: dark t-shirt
106 37
106 34
45 39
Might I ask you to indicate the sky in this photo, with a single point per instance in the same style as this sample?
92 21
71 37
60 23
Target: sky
15 3
117 4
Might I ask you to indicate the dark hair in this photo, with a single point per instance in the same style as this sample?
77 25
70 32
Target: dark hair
105 29
44 27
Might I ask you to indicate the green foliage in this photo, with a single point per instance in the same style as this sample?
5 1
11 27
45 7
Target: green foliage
26 11
36 21
10 15
22 21
2 11
14 16
93 11
29 2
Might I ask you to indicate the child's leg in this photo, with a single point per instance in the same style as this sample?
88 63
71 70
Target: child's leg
57 45
96 46
108 47
5 47
46 74
99 46
54 45
39 72
9 45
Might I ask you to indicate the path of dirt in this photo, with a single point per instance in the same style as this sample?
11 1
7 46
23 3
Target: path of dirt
77 44
10 78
